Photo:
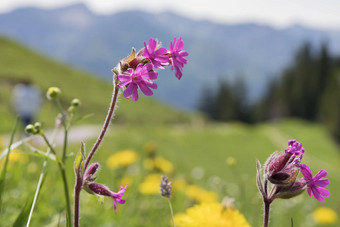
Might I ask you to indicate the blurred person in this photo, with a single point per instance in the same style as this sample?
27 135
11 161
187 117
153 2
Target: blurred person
26 100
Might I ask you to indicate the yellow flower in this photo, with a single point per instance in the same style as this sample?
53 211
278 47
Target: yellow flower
212 215
201 195
15 156
231 161
324 215
151 184
122 159
159 164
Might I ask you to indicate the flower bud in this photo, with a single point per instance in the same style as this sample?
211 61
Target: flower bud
75 102
37 126
52 93
289 192
91 171
30 129
286 177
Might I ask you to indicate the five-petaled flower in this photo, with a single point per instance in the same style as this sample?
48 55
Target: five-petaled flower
315 184
100 189
156 55
177 56
140 77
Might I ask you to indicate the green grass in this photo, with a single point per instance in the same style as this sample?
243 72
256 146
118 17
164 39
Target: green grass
186 147
18 62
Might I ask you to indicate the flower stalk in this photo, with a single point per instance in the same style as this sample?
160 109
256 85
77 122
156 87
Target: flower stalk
79 181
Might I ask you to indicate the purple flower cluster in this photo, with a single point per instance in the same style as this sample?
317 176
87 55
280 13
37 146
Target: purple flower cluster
281 169
137 70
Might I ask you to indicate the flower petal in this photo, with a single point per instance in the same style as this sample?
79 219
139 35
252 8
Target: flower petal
323 192
322 173
135 93
322 183
317 195
145 89
128 91
305 170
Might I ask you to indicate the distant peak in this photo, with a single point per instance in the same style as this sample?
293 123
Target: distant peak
79 7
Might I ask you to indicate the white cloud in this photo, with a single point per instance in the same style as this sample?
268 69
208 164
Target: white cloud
319 13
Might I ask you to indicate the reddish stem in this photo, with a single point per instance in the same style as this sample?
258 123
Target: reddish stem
79 181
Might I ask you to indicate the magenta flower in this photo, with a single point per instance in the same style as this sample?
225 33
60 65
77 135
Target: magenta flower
138 78
177 56
315 184
100 189
157 56
295 148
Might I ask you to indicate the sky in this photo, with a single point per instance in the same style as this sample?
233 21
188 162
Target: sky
278 13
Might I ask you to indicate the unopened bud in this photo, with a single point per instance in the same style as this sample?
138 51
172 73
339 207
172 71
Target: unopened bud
52 93
75 102
37 126
91 171
287 177
289 192
30 129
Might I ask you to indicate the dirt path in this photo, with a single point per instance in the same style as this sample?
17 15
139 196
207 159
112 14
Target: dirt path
75 135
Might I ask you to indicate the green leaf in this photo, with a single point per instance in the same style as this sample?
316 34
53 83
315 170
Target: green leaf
79 160
23 216
4 169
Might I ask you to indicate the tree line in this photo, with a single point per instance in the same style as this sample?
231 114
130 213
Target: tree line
309 88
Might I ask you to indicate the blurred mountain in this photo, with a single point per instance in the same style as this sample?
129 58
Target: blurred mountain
93 42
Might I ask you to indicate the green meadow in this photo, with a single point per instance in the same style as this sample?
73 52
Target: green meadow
197 148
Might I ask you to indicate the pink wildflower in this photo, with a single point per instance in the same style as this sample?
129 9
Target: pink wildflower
315 184
138 78
295 148
177 56
103 190
157 56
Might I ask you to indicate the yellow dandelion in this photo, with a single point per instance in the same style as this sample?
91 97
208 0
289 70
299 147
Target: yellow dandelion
122 159
212 215
231 161
201 195
126 180
325 215
151 184
159 164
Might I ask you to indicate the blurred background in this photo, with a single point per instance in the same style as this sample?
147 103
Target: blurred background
259 73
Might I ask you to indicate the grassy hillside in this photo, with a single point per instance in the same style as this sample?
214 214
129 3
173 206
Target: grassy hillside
17 62
199 156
